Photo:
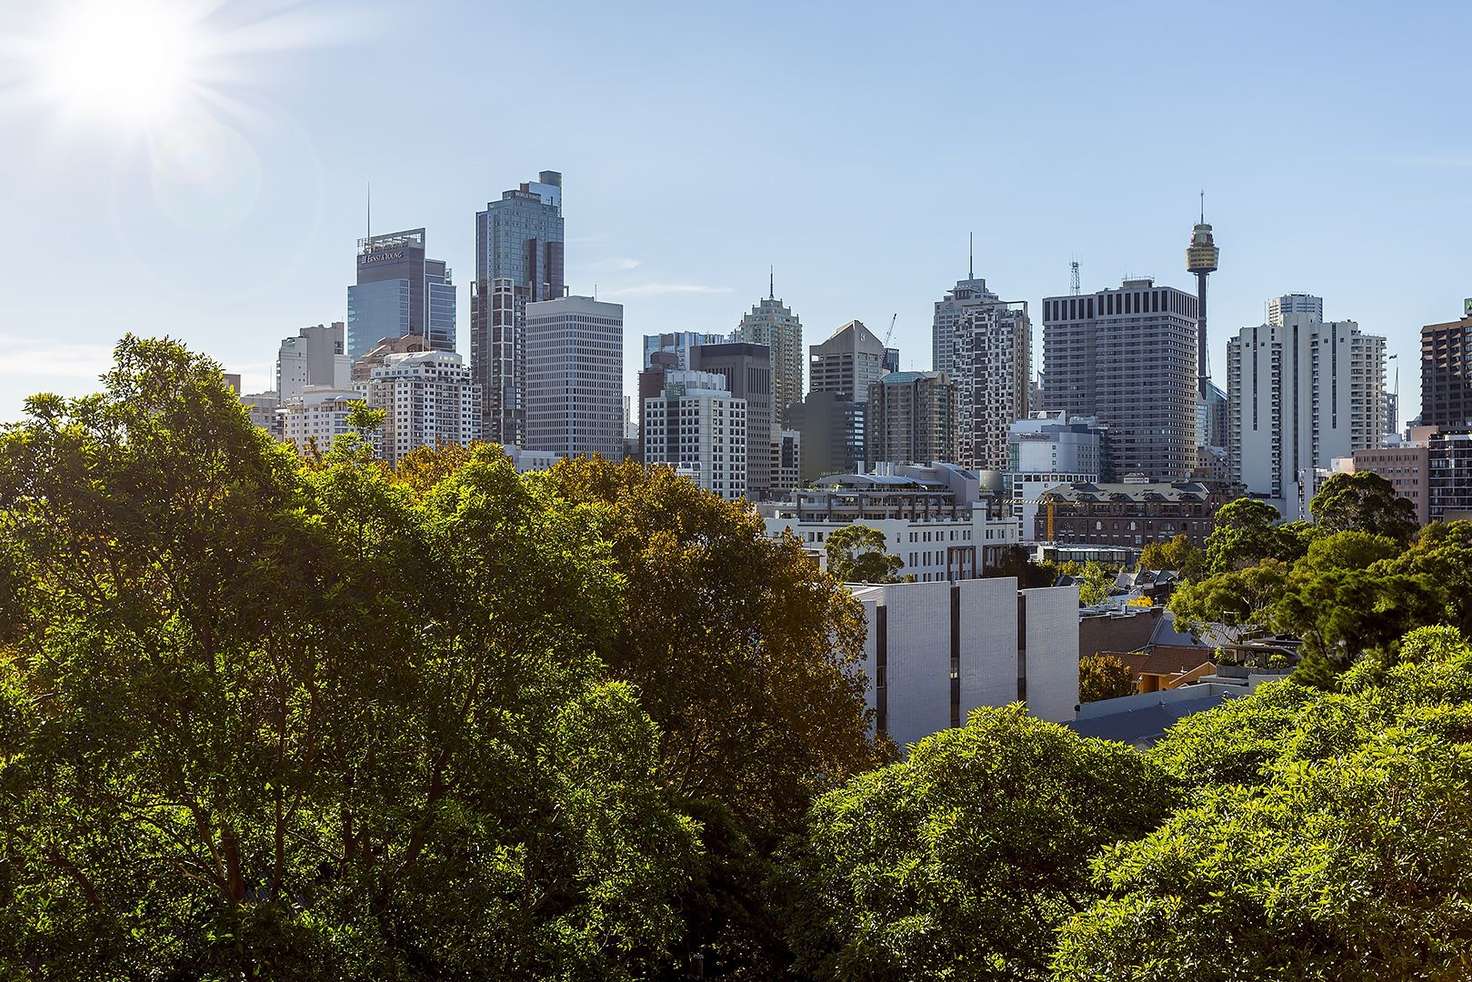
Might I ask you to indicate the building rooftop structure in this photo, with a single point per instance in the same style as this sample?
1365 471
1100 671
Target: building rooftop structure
1142 719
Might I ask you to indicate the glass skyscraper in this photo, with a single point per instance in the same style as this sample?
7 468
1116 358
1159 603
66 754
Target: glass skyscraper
518 260
400 292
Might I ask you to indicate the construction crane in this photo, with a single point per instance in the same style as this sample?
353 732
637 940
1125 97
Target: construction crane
890 333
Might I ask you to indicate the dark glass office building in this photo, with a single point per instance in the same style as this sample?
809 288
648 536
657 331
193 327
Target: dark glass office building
400 292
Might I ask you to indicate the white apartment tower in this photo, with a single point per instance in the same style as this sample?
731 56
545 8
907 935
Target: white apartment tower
428 400
699 428
1302 392
575 377
316 417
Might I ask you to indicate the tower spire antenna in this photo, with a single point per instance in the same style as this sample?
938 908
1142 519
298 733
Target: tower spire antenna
370 209
971 255
1203 206
771 282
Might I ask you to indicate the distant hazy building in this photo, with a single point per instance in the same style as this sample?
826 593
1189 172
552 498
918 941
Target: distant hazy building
747 369
832 434
677 343
1305 305
264 411
1128 356
314 357
363 366
316 417
698 427
911 419
399 292
772 323
1446 373
1047 450
518 260
786 462
575 376
428 400
1302 393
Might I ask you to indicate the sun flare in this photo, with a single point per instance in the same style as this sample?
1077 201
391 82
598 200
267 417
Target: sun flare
126 61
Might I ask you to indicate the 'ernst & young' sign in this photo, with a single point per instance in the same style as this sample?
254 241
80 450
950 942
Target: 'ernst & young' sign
381 256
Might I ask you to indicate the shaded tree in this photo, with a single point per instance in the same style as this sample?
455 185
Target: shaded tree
857 554
1245 532
1178 553
1104 677
1363 502
1239 602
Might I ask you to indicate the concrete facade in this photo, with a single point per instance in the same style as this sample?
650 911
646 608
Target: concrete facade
1405 467
428 400
698 427
575 377
935 651
1446 373
316 356
911 419
772 323
1128 356
1302 393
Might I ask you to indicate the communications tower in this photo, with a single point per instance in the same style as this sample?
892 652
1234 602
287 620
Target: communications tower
1201 259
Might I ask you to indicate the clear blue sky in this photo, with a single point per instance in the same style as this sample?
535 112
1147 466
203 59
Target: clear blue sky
853 146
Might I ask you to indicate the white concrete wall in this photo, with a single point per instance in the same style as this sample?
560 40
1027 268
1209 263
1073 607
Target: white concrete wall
918 664
988 643
1052 651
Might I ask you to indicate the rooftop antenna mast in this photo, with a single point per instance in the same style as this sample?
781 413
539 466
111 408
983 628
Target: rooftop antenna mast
771 282
971 256
1073 283
370 213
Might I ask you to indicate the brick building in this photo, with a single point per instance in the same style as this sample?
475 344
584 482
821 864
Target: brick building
1130 515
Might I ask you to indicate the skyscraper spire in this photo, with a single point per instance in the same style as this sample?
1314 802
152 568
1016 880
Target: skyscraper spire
772 282
971 256
1203 206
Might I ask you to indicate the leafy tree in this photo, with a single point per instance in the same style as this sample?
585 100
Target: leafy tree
1016 561
1179 554
1328 838
856 554
1244 533
1104 677
267 720
746 656
1363 502
960 862
1095 580
1239 602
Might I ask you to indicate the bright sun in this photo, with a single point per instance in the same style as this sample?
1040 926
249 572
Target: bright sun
128 62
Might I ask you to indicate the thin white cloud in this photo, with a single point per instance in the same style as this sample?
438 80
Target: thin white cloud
33 359
665 289
617 264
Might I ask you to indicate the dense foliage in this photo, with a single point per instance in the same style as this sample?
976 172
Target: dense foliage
1178 553
1103 677
1363 502
857 554
271 718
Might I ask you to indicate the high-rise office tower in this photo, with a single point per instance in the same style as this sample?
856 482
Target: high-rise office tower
1302 392
400 292
1303 304
518 260
747 369
314 357
772 323
428 400
1128 357
840 372
575 377
1201 259
1446 372
847 363
698 427
911 419
949 310
984 344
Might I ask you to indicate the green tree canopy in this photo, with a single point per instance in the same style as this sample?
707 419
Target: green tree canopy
1328 838
1103 677
856 554
1245 532
260 720
1178 553
1095 580
1363 502
960 862
1238 602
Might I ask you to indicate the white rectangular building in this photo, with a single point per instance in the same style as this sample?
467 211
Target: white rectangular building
317 416
1046 450
575 377
316 356
1302 392
699 428
428 400
933 652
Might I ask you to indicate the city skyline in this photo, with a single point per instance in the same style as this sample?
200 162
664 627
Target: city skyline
265 208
